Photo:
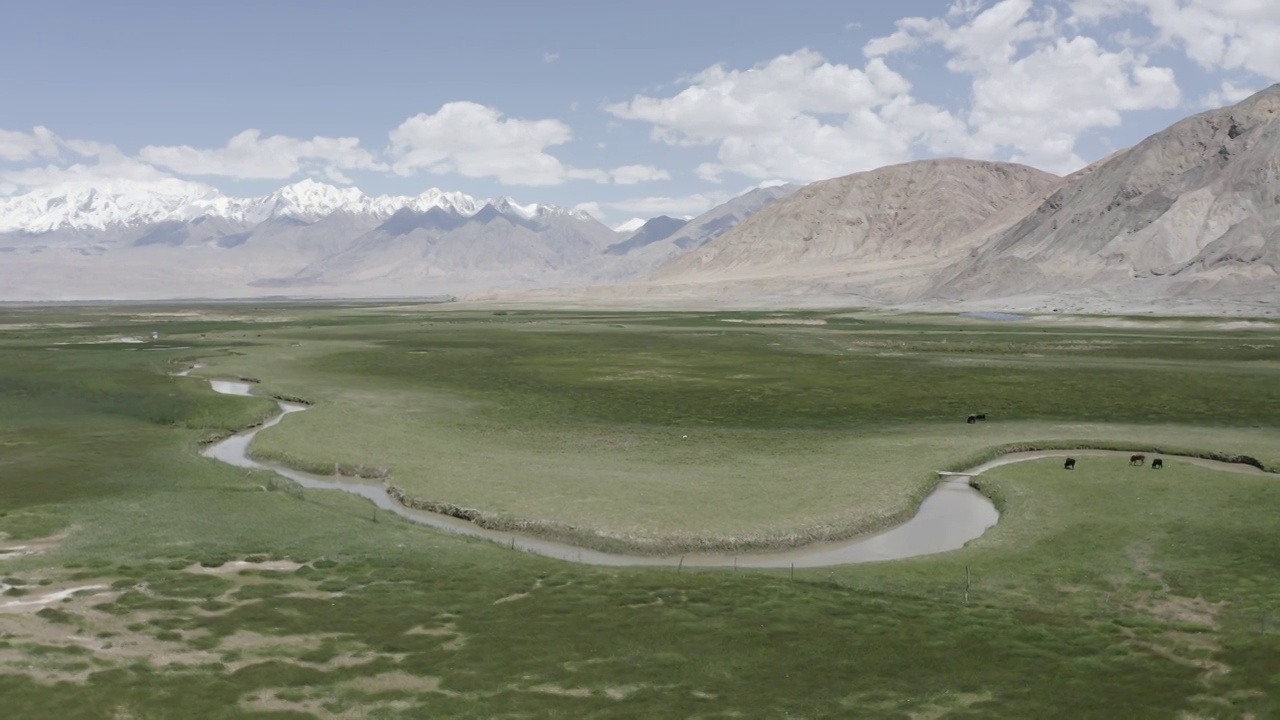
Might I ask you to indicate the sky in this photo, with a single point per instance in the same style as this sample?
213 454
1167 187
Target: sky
620 109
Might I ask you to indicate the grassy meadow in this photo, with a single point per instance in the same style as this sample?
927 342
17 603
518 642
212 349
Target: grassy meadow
138 579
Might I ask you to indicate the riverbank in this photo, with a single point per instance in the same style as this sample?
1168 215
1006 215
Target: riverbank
947 518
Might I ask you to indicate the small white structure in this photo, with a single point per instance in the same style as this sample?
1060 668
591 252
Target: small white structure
155 335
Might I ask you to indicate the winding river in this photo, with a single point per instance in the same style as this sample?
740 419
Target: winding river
951 516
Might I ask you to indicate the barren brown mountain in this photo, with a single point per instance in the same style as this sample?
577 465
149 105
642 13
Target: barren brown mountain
864 230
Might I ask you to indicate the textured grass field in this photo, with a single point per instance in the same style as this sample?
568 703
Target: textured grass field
654 433
1107 592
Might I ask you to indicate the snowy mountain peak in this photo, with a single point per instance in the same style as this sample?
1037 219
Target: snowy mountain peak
103 204
311 200
507 205
631 225
457 202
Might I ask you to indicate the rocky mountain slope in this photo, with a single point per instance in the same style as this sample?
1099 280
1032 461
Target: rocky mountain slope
1193 211
653 230
1190 217
924 214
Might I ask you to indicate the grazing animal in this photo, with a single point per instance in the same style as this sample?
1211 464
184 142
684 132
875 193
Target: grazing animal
1070 464
1137 459
972 419
982 417
1157 464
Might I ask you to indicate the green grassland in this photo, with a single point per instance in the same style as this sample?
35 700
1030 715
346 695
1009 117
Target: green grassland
1108 592
624 433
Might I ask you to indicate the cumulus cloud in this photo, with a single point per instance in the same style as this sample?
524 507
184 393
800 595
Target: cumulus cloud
695 204
1228 93
1031 104
462 138
1037 84
110 164
98 162
249 155
796 116
476 141
18 146
633 174
1216 34
593 209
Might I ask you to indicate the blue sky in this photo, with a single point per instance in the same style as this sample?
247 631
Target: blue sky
623 108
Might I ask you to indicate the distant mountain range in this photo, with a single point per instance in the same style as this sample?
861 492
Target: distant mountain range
1189 217
125 239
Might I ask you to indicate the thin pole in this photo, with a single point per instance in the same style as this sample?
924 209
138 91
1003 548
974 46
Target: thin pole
681 565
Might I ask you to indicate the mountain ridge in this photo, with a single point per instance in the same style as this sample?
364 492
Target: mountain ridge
102 205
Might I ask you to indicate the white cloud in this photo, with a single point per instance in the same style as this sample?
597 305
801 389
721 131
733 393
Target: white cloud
478 142
797 116
632 174
7 188
109 164
593 209
18 146
464 138
550 57
1228 93
1216 34
249 155
687 205
1032 105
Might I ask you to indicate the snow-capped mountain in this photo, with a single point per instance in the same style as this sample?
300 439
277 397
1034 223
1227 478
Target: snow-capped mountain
104 204
630 226
108 204
124 239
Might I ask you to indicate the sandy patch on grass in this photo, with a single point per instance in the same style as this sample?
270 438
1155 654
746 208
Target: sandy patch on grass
456 642
644 375
31 547
777 321
33 326
37 602
398 681
236 566
1170 607
517 596
126 339
267 701
549 689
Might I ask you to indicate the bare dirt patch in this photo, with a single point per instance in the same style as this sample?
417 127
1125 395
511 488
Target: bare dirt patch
778 321
38 602
31 547
520 595
398 681
456 642
236 566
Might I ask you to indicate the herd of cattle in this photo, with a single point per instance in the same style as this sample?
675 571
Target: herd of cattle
1138 459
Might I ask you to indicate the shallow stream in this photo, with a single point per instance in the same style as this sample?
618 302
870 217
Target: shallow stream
951 516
